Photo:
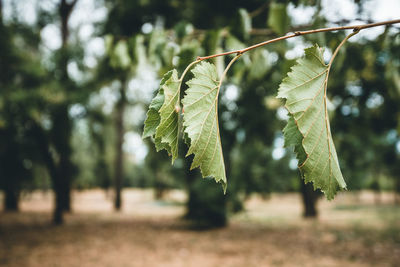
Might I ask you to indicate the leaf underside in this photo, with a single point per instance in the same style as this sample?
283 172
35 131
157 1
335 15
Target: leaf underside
308 128
162 120
200 121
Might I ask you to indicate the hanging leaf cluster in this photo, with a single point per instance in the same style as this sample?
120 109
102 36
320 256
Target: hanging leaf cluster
308 129
200 119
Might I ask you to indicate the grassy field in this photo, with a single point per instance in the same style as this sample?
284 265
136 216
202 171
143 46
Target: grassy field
350 231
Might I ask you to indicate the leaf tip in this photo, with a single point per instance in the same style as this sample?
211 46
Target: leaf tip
224 186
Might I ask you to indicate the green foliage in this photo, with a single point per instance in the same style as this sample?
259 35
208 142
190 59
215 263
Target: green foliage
167 131
242 24
293 137
120 56
201 128
200 105
308 128
163 115
278 19
153 117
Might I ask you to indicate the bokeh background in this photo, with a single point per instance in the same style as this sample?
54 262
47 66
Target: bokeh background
79 186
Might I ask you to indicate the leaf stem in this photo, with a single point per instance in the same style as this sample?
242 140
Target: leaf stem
216 103
187 69
340 45
327 125
178 102
226 70
355 28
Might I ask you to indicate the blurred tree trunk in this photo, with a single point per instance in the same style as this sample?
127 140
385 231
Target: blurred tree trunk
160 187
397 191
61 133
206 206
10 202
58 217
119 157
1 12
43 144
61 175
62 170
376 188
310 198
10 166
11 196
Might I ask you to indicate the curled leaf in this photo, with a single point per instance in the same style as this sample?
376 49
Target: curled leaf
308 127
162 120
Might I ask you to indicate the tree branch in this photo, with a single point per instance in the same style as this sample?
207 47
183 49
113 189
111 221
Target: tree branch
259 10
355 28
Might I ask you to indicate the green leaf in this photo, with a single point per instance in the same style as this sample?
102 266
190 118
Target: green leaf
278 19
161 123
153 117
260 64
160 146
294 138
200 121
241 24
308 128
245 23
167 131
120 57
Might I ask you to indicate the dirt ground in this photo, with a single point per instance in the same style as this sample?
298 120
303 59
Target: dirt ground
350 231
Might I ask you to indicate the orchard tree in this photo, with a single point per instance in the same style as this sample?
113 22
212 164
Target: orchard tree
20 77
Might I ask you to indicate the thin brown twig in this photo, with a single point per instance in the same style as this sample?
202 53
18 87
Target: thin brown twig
259 10
299 33
355 31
